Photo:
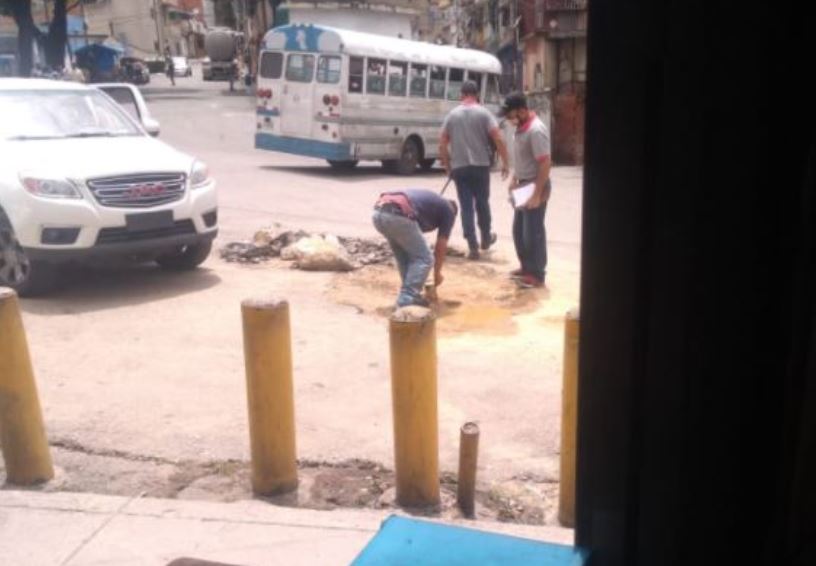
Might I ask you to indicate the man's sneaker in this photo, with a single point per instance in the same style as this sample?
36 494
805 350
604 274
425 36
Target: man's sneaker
516 273
529 282
473 254
417 302
489 242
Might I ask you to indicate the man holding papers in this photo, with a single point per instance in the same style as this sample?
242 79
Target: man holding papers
529 190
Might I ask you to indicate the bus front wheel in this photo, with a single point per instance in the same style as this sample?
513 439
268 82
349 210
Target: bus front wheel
343 165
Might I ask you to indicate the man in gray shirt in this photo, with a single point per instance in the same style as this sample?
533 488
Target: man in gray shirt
532 164
469 129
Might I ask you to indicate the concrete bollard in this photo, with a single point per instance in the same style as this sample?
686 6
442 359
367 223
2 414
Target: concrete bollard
413 394
569 418
468 460
22 432
270 396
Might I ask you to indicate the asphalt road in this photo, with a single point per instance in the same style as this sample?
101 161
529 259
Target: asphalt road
147 363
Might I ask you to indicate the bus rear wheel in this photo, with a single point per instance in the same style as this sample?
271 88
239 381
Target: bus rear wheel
408 160
343 165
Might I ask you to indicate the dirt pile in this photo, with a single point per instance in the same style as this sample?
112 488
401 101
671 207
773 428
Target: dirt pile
368 252
272 243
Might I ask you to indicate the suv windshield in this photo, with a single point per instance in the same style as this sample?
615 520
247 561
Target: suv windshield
41 114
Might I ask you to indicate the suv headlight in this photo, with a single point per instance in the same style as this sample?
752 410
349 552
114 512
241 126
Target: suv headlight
49 187
199 175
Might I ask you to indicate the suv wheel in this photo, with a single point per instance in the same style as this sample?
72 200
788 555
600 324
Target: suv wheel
28 278
186 258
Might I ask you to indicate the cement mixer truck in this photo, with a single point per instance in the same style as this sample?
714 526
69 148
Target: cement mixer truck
223 49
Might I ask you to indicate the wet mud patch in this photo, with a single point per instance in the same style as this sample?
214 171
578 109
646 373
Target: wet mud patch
476 297
352 483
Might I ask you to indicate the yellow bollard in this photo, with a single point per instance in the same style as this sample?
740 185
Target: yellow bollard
270 396
569 417
22 433
413 394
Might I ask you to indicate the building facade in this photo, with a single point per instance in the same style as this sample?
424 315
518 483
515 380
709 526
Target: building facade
395 18
489 25
149 28
542 48
553 42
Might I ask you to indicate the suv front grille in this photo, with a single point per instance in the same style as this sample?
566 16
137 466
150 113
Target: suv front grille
119 235
138 191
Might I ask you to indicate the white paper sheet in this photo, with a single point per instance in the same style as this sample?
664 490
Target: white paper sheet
523 194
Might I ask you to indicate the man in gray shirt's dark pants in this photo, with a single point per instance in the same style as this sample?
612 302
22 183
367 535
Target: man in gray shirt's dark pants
468 129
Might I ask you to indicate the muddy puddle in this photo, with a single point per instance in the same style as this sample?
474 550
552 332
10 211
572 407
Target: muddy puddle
476 297
351 483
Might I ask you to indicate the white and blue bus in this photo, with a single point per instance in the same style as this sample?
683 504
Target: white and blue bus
347 96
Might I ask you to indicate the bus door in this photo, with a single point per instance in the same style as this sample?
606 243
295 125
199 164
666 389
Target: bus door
270 89
297 114
328 92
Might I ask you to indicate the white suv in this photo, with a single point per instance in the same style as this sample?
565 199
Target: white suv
80 181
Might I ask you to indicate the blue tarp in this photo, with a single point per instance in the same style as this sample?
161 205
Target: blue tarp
99 56
407 542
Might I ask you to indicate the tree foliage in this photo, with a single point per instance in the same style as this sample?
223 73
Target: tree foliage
53 40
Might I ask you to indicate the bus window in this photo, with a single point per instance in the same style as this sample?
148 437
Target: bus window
300 68
328 69
271 65
419 80
356 74
476 78
397 81
437 82
375 82
455 80
492 93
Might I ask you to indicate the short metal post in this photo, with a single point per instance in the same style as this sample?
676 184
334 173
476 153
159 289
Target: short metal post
468 460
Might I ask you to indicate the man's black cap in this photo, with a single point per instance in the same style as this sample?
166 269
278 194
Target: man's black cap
470 88
514 101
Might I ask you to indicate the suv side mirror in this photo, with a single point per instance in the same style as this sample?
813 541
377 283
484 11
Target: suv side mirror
151 126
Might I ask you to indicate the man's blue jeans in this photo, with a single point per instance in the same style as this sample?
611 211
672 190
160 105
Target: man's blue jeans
414 259
530 238
473 190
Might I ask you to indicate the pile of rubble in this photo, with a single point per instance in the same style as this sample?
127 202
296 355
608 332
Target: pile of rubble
310 252
368 252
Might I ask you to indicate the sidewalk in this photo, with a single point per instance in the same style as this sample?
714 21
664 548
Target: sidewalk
85 529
